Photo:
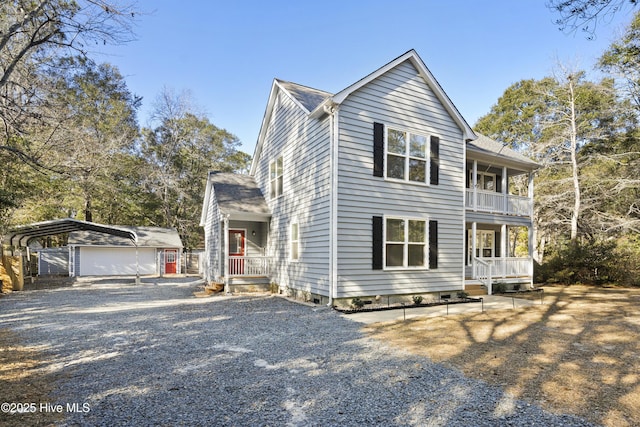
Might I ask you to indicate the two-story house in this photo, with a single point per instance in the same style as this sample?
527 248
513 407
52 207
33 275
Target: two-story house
381 190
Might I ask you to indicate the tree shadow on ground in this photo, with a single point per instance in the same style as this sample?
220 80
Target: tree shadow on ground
577 353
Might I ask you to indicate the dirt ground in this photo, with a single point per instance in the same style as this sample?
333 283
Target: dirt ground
24 382
578 353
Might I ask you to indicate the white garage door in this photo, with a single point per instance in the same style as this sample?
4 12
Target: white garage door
116 261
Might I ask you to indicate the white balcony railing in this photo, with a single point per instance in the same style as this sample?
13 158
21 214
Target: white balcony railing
248 266
490 201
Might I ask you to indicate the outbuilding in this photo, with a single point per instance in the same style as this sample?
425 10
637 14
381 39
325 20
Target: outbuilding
158 251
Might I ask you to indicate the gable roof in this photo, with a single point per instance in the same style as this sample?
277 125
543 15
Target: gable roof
307 98
235 194
313 101
488 147
154 237
413 57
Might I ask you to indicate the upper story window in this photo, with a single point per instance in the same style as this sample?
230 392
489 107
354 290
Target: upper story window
406 156
275 177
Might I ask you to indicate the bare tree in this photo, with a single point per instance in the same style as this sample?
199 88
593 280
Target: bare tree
585 14
33 38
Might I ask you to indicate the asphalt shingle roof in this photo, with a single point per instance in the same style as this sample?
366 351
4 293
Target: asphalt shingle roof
156 237
486 145
308 97
237 193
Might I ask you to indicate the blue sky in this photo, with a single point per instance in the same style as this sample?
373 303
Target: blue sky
227 53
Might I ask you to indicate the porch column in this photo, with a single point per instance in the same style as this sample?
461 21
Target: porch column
474 183
505 190
225 249
474 226
530 228
530 195
503 249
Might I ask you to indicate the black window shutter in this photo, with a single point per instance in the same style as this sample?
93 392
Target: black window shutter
433 244
497 245
378 149
498 184
377 243
435 160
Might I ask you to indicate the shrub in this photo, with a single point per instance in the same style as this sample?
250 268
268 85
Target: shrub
357 303
499 288
417 299
462 294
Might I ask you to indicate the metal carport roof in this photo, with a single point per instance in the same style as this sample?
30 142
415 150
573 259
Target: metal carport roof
21 236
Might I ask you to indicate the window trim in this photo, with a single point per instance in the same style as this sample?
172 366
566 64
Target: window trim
405 244
273 182
407 156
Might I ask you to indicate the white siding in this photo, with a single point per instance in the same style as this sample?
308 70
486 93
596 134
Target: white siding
304 145
96 261
212 269
400 99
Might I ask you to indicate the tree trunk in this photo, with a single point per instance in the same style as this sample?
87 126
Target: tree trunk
575 215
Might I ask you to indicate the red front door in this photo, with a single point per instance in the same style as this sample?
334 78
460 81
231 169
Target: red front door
236 249
170 261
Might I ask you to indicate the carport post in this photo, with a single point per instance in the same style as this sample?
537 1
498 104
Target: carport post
137 266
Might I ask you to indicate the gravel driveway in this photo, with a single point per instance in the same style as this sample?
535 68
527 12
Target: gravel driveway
153 354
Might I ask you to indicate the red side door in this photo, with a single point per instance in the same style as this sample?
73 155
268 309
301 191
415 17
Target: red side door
170 261
236 249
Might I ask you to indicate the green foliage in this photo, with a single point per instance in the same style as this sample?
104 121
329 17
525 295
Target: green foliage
417 299
499 288
593 263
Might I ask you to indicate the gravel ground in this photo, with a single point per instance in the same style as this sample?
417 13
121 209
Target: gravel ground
153 354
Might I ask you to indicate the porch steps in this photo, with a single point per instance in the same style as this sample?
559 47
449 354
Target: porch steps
475 290
241 284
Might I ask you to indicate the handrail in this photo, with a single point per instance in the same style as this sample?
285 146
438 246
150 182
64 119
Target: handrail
483 274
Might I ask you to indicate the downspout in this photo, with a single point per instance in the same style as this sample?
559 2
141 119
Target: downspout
332 110
226 253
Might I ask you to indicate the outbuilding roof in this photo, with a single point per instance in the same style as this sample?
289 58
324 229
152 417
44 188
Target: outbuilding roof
154 237
21 236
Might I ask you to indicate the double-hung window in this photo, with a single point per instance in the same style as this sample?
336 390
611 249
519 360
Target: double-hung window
406 156
405 243
275 177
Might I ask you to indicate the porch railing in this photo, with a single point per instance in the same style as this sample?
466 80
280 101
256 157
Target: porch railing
490 201
248 266
488 270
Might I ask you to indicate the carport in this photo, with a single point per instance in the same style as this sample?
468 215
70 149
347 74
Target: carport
20 237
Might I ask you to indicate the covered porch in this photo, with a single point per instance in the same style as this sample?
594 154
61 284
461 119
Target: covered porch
498 254
236 218
244 249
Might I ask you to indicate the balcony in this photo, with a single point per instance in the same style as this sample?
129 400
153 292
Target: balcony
499 203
